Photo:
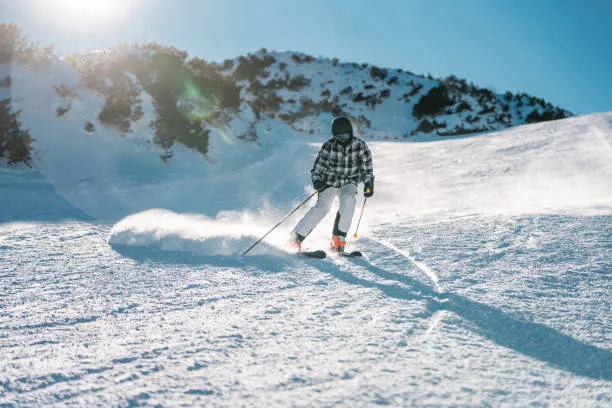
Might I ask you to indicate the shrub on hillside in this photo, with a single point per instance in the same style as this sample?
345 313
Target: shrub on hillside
463 107
461 130
207 79
252 66
123 105
227 64
65 91
432 103
484 95
196 137
10 38
416 88
369 100
487 109
364 122
62 110
472 119
302 59
298 83
549 114
15 143
457 85
89 128
427 126
393 80
14 46
308 107
385 93
378 73
268 103
66 95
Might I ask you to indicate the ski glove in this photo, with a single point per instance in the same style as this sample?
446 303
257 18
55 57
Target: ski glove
319 185
368 189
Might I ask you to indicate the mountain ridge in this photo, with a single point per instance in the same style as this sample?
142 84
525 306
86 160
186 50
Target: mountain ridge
158 90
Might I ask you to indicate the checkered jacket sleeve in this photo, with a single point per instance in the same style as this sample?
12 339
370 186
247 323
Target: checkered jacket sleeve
321 163
366 168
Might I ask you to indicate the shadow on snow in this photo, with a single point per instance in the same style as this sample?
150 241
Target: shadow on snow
28 196
531 339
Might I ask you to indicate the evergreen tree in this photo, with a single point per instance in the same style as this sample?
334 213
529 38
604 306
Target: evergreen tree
15 143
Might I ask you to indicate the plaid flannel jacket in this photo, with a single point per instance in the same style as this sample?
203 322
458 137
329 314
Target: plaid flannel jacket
339 165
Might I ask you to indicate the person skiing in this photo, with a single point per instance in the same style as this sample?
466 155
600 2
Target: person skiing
343 161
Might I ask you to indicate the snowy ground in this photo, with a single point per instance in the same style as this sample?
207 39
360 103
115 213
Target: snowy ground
479 289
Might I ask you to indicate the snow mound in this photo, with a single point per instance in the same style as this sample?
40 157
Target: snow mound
166 230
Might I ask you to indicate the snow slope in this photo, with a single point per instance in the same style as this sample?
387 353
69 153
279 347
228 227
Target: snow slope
486 279
486 283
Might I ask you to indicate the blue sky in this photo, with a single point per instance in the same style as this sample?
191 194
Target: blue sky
560 50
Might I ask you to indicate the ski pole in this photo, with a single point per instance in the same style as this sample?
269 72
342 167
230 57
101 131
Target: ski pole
280 222
359 222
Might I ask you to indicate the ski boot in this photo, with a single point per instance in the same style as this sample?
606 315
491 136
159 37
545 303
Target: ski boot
295 241
337 244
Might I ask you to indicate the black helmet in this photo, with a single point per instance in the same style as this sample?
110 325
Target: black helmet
341 125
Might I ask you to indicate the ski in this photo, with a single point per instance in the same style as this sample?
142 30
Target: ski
319 254
353 254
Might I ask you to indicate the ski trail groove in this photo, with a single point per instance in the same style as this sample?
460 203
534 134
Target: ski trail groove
436 317
426 270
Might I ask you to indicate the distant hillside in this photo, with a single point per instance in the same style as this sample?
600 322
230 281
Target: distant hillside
387 103
159 91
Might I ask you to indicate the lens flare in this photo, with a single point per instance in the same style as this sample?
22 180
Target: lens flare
227 135
195 104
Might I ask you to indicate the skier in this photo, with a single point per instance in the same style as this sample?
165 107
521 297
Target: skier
343 161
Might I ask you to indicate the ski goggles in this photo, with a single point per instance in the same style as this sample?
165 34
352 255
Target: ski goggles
343 136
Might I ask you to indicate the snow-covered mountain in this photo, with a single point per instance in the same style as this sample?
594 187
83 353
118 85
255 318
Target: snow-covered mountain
119 114
161 96
387 104
485 281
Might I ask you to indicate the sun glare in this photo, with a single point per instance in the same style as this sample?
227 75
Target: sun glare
85 14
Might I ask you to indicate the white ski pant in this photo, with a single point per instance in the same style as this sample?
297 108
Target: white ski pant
347 195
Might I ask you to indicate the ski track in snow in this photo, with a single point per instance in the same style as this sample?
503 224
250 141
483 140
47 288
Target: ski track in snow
436 315
420 265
